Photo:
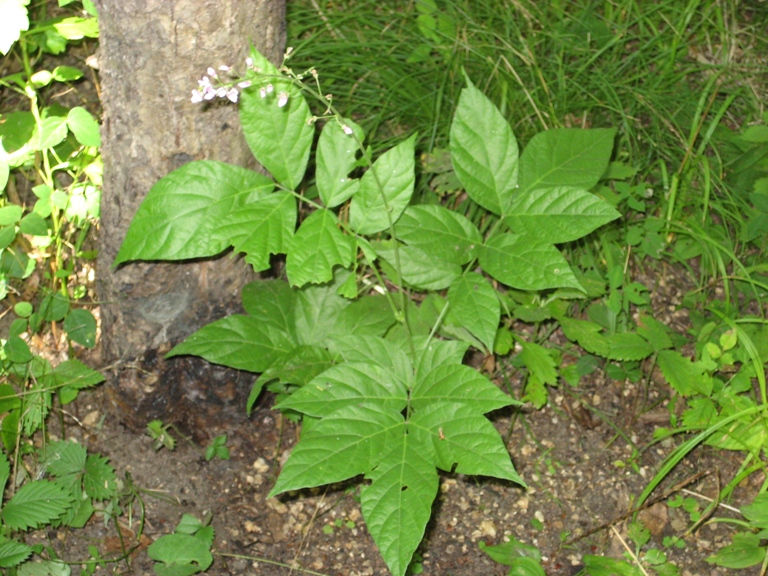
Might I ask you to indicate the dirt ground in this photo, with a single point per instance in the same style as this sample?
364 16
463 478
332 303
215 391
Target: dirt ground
575 454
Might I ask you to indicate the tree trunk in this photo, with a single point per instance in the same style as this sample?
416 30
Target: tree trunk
152 52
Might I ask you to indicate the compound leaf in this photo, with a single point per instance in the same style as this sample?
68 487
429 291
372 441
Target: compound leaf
558 214
371 315
237 341
182 214
385 190
316 248
566 157
685 376
99 480
336 157
476 307
456 383
317 308
347 442
628 346
345 385
526 263
375 350
398 502
35 503
439 232
261 228
484 151
280 137
463 441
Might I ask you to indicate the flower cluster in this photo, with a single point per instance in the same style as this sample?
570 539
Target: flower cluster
211 86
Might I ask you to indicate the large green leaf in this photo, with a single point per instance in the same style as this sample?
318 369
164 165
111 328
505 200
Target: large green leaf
419 269
279 136
336 157
385 190
347 442
476 307
299 366
463 441
13 553
181 216
526 263
370 315
375 350
431 353
348 385
484 151
439 232
237 341
452 383
566 157
261 228
317 309
398 502
35 503
316 248
271 301
185 553
559 214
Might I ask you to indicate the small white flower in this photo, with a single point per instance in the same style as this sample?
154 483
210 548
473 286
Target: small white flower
211 72
249 62
232 94
209 94
270 88
263 92
197 96
347 130
204 82
224 68
282 99
244 84
221 92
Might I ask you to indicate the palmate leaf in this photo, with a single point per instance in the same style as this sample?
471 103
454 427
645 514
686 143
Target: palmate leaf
462 441
279 137
347 442
431 353
35 503
316 248
385 190
348 385
456 383
261 228
525 263
566 157
557 215
237 341
377 351
182 214
368 315
475 306
439 232
484 151
362 431
336 157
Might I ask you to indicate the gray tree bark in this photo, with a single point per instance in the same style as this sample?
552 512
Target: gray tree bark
152 52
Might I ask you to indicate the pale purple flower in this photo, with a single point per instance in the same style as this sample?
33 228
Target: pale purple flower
249 62
270 88
211 72
224 68
204 82
197 96
233 94
347 130
221 92
282 99
209 93
244 84
263 92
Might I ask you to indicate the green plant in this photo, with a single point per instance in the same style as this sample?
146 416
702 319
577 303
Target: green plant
217 448
379 394
187 551
523 559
